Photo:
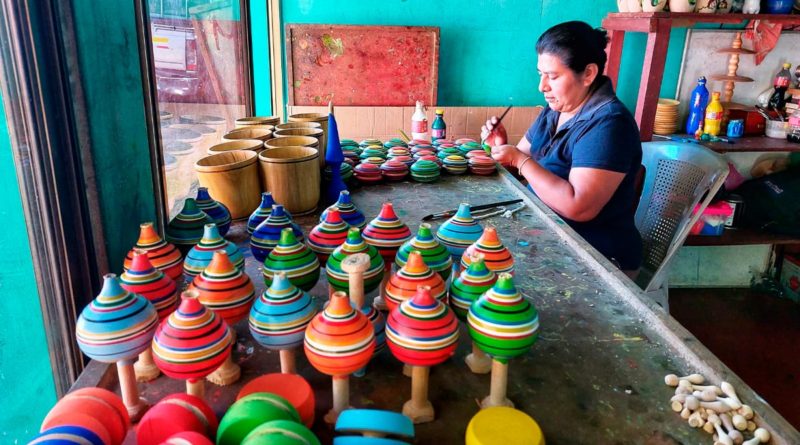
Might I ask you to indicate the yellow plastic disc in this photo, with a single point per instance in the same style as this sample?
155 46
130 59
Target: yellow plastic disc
503 426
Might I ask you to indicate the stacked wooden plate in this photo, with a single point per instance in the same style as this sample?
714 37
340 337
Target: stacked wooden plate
666 116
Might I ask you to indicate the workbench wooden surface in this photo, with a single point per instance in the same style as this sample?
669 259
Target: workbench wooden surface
595 375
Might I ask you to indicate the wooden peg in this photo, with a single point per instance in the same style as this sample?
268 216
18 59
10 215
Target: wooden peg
677 406
499 385
229 372
735 435
673 380
355 266
685 413
709 388
288 361
341 398
746 411
717 407
729 391
722 437
739 422
145 368
130 393
196 387
751 426
696 420
706 395
477 361
419 409
759 436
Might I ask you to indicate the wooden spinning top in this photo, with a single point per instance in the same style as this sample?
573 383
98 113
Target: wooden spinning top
200 255
278 319
464 290
215 209
458 232
329 234
191 343
496 256
268 233
434 254
504 325
348 211
224 289
421 332
404 283
186 228
338 278
261 213
293 258
174 414
163 255
387 233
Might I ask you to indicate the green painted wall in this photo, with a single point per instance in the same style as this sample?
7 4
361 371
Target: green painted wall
108 54
26 379
487 52
259 44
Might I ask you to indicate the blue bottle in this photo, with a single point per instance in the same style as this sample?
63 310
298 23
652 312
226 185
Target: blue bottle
697 106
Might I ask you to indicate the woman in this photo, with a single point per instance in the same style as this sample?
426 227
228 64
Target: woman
582 154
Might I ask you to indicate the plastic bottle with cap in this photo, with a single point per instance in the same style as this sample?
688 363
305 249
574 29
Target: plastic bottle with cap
439 127
419 123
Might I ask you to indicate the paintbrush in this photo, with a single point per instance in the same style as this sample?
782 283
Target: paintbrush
500 119
449 213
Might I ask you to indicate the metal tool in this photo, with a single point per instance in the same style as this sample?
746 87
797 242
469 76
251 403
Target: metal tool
449 213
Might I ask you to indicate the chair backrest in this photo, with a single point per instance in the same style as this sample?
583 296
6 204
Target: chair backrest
677 176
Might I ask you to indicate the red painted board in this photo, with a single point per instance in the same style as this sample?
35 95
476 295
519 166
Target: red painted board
362 65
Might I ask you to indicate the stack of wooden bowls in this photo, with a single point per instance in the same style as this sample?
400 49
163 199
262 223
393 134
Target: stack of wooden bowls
666 116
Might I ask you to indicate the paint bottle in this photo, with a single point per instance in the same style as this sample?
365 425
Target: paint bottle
438 128
419 123
697 106
713 120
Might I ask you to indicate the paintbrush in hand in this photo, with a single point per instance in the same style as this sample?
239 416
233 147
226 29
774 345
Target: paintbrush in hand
500 119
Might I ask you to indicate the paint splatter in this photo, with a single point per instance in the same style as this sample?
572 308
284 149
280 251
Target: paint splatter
334 46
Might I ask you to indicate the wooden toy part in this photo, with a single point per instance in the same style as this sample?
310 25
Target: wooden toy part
288 361
145 368
739 422
98 404
759 436
355 266
375 423
674 380
503 425
419 409
188 437
499 384
477 361
130 393
58 425
229 372
735 435
366 440
729 391
341 398
722 437
380 302
746 411
291 387
196 387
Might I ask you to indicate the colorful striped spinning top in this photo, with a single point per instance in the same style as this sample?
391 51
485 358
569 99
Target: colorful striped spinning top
347 210
502 322
395 142
368 142
375 160
470 285
164 256
435 255
186 229
422 331
387 233
482 165
348 143
268 233
419 153
407 160
339 340
458 232
497 257
279 318
345 171
144 279
368 173
455 164
394 170
326 236
117 325
338 278
215 209
176 413
403 284
378 324
192 342
225 289
425 171
261 213
200 256
293 258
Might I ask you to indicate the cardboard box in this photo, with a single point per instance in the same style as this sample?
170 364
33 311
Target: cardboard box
790 278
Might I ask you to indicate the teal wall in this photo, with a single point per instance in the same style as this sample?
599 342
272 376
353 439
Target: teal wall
259 44
487 51
27 390
108 54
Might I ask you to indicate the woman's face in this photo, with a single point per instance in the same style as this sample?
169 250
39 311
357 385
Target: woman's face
564 90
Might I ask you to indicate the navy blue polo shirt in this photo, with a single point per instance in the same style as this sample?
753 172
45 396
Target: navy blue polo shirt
602 135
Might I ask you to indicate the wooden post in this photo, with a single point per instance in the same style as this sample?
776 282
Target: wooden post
477 361
380 301
130 393
499 385
196 387
145 368
341 398
288 361
614 54
355 266
653 70
419 408
229 372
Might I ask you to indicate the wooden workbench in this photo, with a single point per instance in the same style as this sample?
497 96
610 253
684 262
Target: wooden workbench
596 374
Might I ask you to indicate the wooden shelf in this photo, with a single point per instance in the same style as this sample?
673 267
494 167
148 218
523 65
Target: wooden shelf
746 144
740 237
645 21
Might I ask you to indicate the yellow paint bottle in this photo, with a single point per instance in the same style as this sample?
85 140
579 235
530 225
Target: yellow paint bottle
713 122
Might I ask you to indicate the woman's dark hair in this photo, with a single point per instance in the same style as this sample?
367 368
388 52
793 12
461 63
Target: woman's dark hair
577 44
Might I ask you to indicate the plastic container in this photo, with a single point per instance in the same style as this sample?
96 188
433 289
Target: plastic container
713 122
439 127
419 123
712 221
776 129
697 106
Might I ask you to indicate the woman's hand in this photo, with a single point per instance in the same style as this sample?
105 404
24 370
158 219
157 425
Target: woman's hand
493 132
508 155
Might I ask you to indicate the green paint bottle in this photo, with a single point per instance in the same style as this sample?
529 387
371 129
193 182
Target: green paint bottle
439 128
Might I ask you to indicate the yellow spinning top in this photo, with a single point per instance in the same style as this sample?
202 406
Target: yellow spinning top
503 426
